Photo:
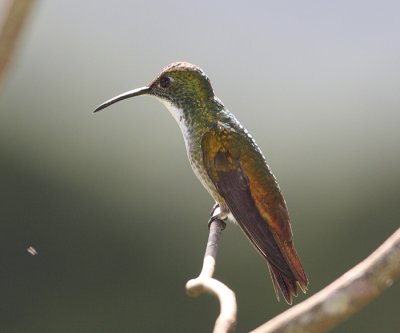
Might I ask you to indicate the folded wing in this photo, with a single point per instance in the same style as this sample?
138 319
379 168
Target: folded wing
239 172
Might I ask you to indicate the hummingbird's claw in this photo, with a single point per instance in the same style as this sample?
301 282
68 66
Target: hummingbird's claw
216 218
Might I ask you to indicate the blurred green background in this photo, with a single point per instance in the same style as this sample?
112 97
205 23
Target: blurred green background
110 202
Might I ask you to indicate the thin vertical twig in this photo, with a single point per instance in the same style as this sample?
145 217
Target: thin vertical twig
205 283
17 12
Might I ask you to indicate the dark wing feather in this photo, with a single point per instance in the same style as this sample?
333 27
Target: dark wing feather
233 186
226 165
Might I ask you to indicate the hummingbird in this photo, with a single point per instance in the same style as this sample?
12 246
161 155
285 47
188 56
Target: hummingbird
231 167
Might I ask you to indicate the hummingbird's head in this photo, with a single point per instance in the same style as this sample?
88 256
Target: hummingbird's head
183 85
180 85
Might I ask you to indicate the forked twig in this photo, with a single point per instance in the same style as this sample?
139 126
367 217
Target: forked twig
345 296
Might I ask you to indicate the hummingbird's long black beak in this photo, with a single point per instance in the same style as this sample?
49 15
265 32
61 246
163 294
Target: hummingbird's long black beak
125 95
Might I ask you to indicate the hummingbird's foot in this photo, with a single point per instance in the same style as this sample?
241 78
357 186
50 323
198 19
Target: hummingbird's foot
214 208
216 215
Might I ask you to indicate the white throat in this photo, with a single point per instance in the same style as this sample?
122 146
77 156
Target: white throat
176 112
179 117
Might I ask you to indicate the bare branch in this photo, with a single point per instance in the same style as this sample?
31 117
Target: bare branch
205 283
345 296
13 21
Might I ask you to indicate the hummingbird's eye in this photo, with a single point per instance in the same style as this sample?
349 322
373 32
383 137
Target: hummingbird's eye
165 82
